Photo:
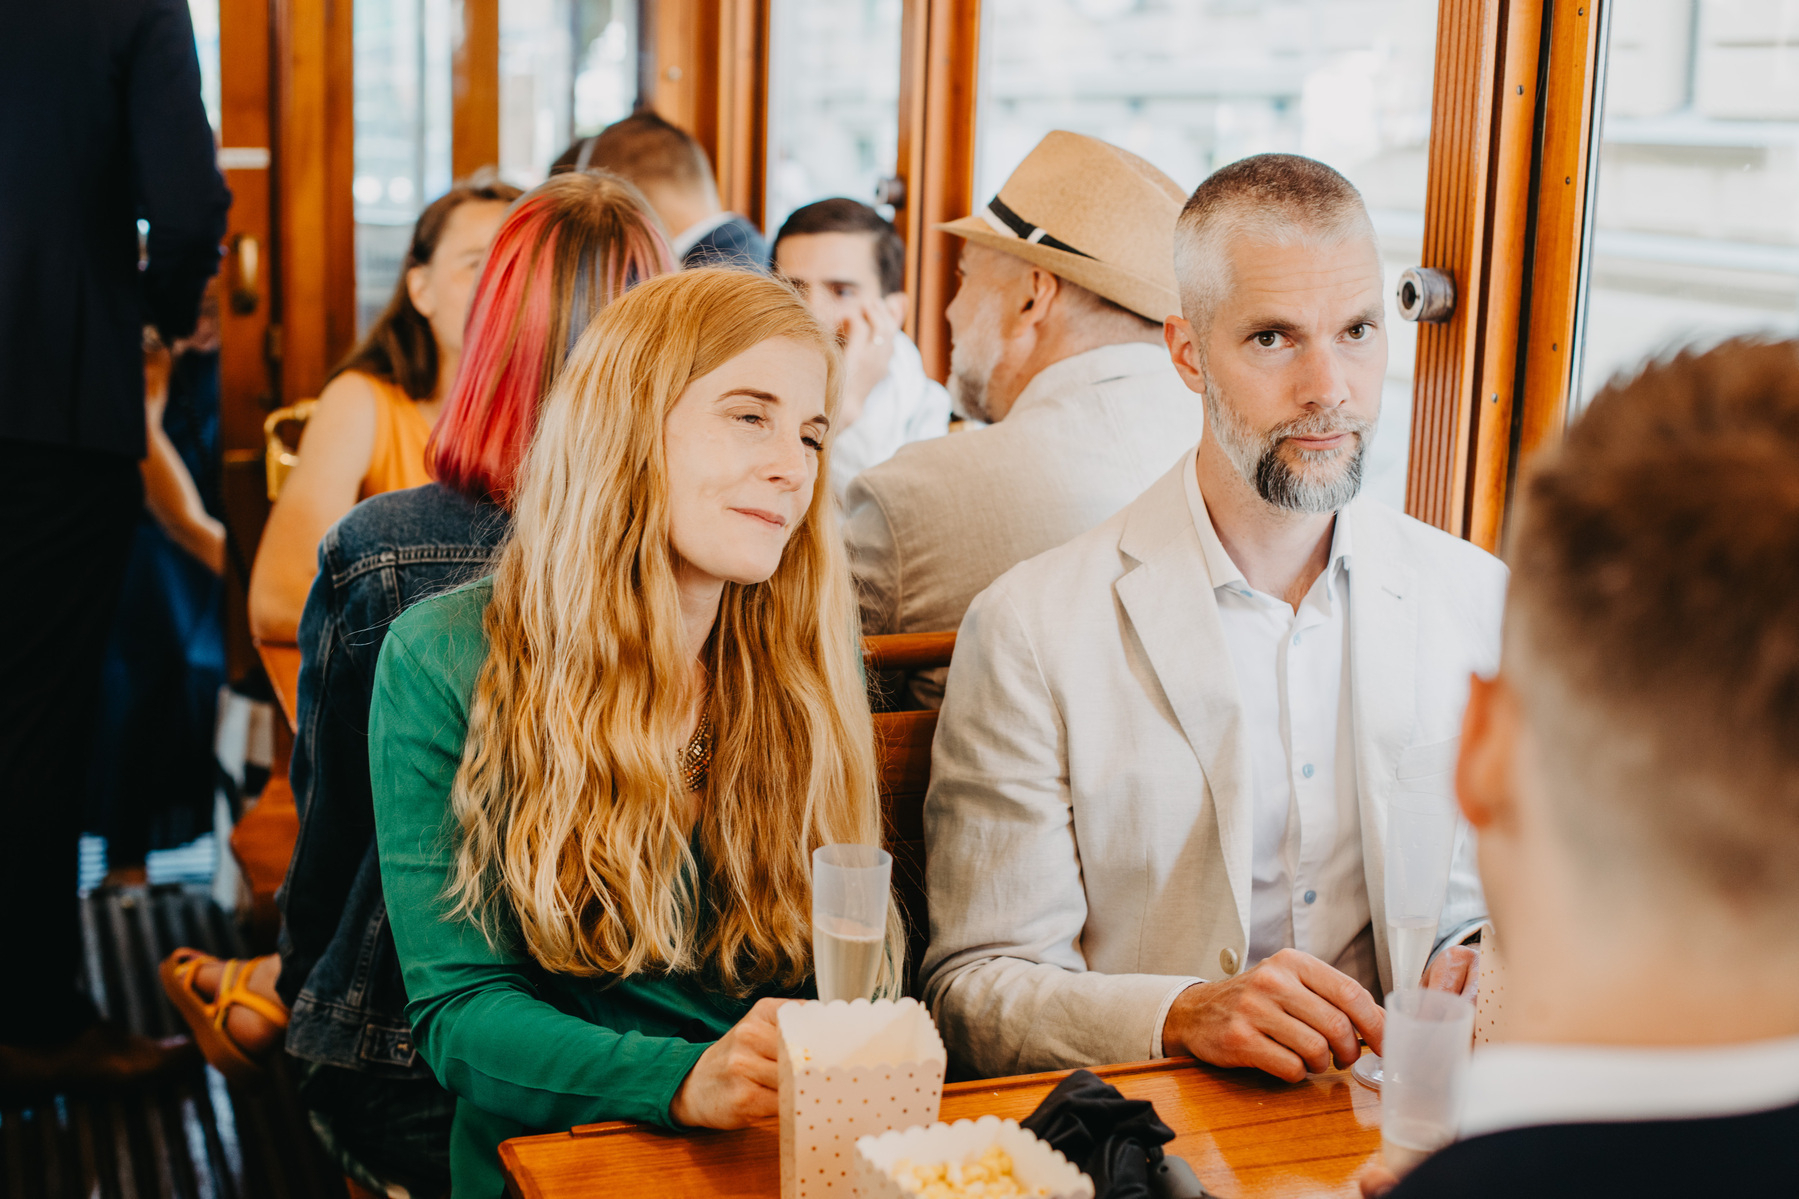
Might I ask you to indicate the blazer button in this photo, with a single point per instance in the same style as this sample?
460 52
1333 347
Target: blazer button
1228 959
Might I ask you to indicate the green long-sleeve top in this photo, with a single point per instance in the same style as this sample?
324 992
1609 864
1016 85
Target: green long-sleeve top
522 1049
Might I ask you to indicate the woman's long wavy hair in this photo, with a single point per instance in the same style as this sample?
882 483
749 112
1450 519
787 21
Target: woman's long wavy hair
570 806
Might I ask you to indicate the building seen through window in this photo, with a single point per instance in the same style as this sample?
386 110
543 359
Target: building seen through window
1696 221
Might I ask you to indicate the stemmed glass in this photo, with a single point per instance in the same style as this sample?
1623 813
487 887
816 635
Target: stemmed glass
849 918
1420 843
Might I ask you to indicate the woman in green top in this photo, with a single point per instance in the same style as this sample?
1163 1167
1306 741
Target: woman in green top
599 774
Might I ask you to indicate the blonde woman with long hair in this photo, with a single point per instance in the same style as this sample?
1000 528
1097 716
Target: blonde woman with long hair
600 773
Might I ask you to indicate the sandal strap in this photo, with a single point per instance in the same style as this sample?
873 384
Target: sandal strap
234 988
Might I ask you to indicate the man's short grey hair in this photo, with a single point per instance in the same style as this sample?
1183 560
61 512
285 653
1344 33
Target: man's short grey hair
1280 198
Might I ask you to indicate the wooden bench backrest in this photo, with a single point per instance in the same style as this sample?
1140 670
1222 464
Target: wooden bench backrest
903 743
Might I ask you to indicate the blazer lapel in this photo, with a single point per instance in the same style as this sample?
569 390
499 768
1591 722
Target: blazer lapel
1383 658
1168 598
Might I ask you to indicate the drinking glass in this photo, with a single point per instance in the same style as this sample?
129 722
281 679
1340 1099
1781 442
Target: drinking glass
1428 1039
1420 844
849 918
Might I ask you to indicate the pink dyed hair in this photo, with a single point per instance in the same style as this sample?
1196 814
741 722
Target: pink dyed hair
569 247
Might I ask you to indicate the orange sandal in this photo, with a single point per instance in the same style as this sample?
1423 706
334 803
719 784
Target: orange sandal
207 1019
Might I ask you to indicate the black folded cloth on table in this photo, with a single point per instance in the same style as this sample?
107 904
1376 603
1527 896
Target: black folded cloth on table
1116 1141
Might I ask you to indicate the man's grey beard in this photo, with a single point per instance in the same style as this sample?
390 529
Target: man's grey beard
968 392
1257 456
972 359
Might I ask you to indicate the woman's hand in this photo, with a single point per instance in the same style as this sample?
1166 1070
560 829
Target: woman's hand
735 1080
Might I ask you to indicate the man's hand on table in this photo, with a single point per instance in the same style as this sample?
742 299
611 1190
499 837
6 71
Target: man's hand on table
1289 1015
1456 969
735 1080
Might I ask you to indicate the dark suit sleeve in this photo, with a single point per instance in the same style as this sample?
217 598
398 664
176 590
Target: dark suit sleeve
174 168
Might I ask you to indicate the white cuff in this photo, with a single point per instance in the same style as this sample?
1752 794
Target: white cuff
1155 1037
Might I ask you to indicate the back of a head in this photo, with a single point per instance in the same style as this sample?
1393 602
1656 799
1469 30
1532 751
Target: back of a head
653 153
1279 198
569 247
843 215
1653 632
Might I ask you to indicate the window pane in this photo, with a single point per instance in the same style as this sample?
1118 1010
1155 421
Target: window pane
402 115
605 63
833 101
536 87
1696 224
205 16
1192 85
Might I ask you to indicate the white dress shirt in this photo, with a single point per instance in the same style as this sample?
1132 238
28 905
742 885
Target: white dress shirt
1293 683
1526 1086
907 405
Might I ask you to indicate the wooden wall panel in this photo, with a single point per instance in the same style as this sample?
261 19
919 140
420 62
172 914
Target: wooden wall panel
315 217
1511 118
939 65
475 88
246 132
711 79
741 155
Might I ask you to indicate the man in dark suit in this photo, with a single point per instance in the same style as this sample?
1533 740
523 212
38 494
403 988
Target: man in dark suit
671 170
101 126
1633 772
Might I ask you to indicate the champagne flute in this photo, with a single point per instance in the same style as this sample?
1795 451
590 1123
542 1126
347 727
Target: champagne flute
1420 845
850 884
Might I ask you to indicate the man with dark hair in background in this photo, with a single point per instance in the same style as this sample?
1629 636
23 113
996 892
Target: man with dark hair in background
670 168
1633 774
850 265
100 126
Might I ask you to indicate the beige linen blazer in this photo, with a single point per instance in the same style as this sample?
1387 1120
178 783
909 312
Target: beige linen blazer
932 526
1089 824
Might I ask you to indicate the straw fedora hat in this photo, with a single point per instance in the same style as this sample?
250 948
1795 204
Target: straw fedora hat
1091 213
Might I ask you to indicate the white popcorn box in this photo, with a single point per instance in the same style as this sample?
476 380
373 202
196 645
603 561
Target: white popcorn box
849 1069
1041 1171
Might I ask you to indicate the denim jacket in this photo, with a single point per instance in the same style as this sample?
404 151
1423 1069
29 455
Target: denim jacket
340 975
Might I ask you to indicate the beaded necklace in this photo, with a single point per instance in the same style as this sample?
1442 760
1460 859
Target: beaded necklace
696 759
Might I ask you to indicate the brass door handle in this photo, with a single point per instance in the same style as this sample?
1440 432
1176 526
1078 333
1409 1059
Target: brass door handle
246 263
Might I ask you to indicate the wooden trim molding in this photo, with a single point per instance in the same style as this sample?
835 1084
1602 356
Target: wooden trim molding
475 88
314 160
247 374
741 155
939 61
1512 110
1575 36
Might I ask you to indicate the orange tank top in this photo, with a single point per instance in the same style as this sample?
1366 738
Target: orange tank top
401 431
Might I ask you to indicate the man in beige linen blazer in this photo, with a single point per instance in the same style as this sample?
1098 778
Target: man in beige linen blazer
1098 819
1057 327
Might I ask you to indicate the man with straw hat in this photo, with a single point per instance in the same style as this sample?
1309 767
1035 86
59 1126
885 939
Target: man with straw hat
1057 327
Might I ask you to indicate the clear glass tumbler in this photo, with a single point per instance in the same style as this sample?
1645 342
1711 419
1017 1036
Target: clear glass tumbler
850 884
1426 1046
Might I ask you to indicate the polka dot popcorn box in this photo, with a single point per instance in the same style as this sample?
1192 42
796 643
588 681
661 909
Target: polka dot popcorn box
1040 1171
849 1070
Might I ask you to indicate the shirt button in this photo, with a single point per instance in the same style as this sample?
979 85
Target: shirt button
1228 959
1311 897
1306 770
1296 638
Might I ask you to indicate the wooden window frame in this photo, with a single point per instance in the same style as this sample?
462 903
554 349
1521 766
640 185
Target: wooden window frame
1513 122
940 47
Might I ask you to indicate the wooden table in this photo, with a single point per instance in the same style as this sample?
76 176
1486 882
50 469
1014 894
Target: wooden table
1244 1133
